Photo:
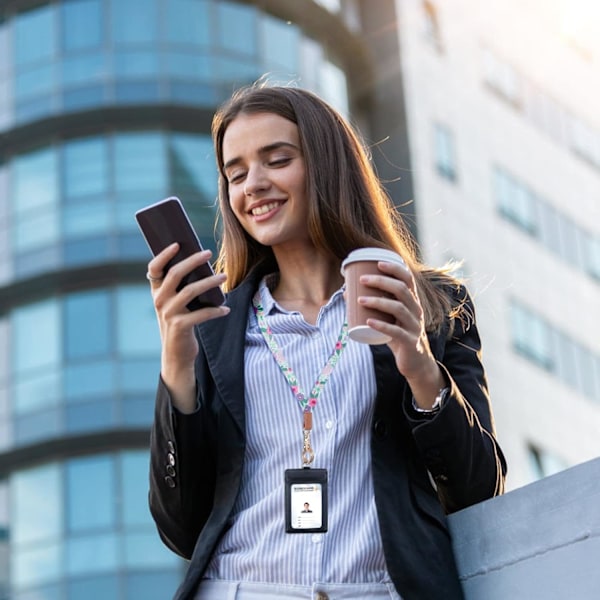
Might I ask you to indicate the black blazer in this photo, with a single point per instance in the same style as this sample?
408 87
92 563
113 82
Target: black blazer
191 499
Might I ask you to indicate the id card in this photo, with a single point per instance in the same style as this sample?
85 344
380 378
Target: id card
305 500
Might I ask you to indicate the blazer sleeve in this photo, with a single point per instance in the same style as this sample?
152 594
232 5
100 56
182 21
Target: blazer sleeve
181 474
459 445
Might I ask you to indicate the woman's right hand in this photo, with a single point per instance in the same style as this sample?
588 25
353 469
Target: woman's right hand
176 322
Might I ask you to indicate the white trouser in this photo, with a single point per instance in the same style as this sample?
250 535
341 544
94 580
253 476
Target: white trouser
240 590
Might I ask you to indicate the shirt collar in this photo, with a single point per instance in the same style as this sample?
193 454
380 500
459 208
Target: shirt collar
268 282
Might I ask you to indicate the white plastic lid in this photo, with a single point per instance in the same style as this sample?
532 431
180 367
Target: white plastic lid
377 254
366 335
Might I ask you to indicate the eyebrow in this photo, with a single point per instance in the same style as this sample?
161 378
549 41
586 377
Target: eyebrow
264 150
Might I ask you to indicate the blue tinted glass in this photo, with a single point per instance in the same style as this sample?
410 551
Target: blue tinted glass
88 324
35 230
91 416
188 22
137 328
145 550
39 322
91 491
41 425
37 391
183 65
134 21
82 24
86 167
237 27
139 375
280 42
80 69
37 565
89 380
94 553
193 166
36 505
134 485
151 585
35 35
99 587
140 162
36 82
136 64
35 180
90 217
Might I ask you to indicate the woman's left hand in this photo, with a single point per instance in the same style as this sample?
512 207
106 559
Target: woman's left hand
409 342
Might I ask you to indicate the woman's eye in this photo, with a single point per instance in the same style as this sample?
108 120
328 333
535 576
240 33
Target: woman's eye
235 177
279 162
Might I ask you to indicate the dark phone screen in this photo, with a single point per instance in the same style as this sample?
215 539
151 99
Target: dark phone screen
166 222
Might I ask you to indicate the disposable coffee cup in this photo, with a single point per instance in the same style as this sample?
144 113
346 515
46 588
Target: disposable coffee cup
364 262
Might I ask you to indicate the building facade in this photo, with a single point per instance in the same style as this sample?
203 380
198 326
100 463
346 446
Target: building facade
504 132
105 106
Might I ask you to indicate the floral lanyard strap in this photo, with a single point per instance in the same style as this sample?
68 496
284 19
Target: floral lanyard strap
307 404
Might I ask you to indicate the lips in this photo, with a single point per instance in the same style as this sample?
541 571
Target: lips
263 209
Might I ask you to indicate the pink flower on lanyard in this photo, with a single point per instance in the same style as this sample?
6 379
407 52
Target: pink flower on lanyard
312 402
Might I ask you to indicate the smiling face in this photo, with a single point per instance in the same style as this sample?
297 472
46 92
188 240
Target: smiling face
266 176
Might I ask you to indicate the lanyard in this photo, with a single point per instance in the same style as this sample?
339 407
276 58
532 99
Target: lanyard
306 403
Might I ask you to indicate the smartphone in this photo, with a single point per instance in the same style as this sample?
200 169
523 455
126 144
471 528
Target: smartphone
166 222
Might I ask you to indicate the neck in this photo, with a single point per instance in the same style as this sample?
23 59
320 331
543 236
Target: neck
306 282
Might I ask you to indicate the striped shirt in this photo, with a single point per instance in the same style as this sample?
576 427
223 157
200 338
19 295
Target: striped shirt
256 547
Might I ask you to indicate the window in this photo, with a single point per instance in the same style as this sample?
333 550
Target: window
515 201
432 25
551 349
35 199
237 28
531 336
543 463
85 518
134 22
280 42
188 23
445 154
82 25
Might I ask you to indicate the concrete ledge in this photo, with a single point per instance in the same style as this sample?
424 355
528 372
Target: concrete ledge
539 541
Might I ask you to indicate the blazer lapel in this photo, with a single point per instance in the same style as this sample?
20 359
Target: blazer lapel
223 342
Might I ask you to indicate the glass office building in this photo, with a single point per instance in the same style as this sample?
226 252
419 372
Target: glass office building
105 106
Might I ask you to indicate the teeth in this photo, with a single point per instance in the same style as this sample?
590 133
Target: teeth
265 208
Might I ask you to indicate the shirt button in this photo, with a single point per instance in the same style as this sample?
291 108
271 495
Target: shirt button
170 481
329 424
321 596
317 538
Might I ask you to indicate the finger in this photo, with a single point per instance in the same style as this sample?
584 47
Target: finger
397 271
157 266
180 269
197 288
393 287
404 316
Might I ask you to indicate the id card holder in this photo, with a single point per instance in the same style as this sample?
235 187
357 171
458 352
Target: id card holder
305 500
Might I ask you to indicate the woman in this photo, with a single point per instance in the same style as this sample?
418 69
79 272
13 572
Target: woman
392 436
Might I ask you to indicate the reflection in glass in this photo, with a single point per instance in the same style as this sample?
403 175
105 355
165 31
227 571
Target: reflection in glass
36 505
82 25
87 324
187 22
237 27
38 25
90 488
39 321
134 21
137 329
140 162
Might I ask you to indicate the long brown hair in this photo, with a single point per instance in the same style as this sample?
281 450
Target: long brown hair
348 207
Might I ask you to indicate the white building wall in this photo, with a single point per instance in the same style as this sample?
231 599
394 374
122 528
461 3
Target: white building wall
445 82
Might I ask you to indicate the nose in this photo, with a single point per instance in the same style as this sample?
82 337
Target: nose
256 181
